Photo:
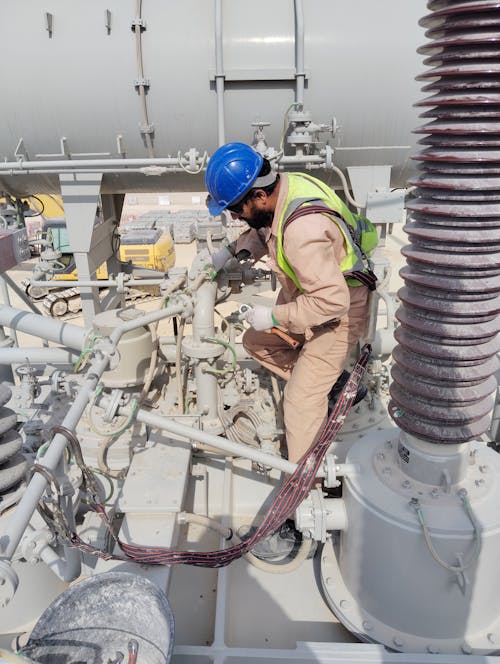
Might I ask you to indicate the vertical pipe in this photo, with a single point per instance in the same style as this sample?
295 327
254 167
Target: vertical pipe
6 301
203 327
219 74
299 53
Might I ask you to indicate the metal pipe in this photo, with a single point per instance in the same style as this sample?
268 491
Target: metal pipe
21 516
299 52
203 327
103 283
146 129
153 317
6 301
88 163
217 442
66 570
68 335
37 356
219 74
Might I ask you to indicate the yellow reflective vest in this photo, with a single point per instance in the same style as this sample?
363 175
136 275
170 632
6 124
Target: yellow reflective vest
360 235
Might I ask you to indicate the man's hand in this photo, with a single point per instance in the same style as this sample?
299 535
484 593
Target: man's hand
259 317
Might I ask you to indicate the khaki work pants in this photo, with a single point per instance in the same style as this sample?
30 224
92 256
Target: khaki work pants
310 372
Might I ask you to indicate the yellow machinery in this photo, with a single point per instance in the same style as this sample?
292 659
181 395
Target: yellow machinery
147 249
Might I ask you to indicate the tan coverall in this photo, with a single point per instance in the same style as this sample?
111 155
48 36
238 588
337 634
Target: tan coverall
328 318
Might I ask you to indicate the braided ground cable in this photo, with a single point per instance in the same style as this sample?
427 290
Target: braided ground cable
293 491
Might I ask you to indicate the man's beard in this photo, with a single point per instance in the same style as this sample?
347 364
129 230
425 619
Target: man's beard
259 219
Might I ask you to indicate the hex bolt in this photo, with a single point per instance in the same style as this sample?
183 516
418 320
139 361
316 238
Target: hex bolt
434 493
466 649
380 456
398 642
432 650
483 469
367 626
406 484
492 637
344 604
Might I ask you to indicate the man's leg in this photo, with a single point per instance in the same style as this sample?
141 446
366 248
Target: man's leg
271 351
319 364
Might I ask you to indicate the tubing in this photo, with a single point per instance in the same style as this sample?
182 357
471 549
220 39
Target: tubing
203 327
37 356
219 74
21 516
300 74
228 534
37 325
217 442
100 283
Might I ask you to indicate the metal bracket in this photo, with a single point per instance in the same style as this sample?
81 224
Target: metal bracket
146 128
138 23
49 23
142 82
20 152
107 21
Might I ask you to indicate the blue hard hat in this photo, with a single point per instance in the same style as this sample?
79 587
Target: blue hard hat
231 171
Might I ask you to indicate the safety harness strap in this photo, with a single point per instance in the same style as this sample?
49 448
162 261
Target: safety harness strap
367 277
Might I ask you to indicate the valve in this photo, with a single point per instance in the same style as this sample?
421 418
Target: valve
316 516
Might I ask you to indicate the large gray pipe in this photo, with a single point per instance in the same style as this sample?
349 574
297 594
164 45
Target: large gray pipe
37 356
42 327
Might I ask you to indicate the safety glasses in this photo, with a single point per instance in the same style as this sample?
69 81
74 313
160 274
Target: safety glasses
237 208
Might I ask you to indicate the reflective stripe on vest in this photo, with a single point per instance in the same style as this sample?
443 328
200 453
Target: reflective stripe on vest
304 190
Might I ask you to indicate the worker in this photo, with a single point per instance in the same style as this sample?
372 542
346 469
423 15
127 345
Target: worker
324 275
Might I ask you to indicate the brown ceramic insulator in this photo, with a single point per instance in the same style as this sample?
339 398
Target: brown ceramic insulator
446 358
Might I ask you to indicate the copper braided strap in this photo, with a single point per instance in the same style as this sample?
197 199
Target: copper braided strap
292 493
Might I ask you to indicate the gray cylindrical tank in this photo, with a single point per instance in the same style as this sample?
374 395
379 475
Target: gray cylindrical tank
71 79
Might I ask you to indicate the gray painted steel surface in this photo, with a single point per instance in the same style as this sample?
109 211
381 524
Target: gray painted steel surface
77 81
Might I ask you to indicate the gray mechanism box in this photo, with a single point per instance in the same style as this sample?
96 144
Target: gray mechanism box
14 248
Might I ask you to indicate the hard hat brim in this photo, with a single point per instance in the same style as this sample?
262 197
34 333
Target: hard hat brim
213 207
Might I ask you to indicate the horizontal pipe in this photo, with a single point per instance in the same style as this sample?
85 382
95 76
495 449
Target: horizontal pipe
37 356
87 163
217 442
40 326
100 283
22 514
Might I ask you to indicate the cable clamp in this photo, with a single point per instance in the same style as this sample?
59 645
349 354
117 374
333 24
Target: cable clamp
138 23
142 82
